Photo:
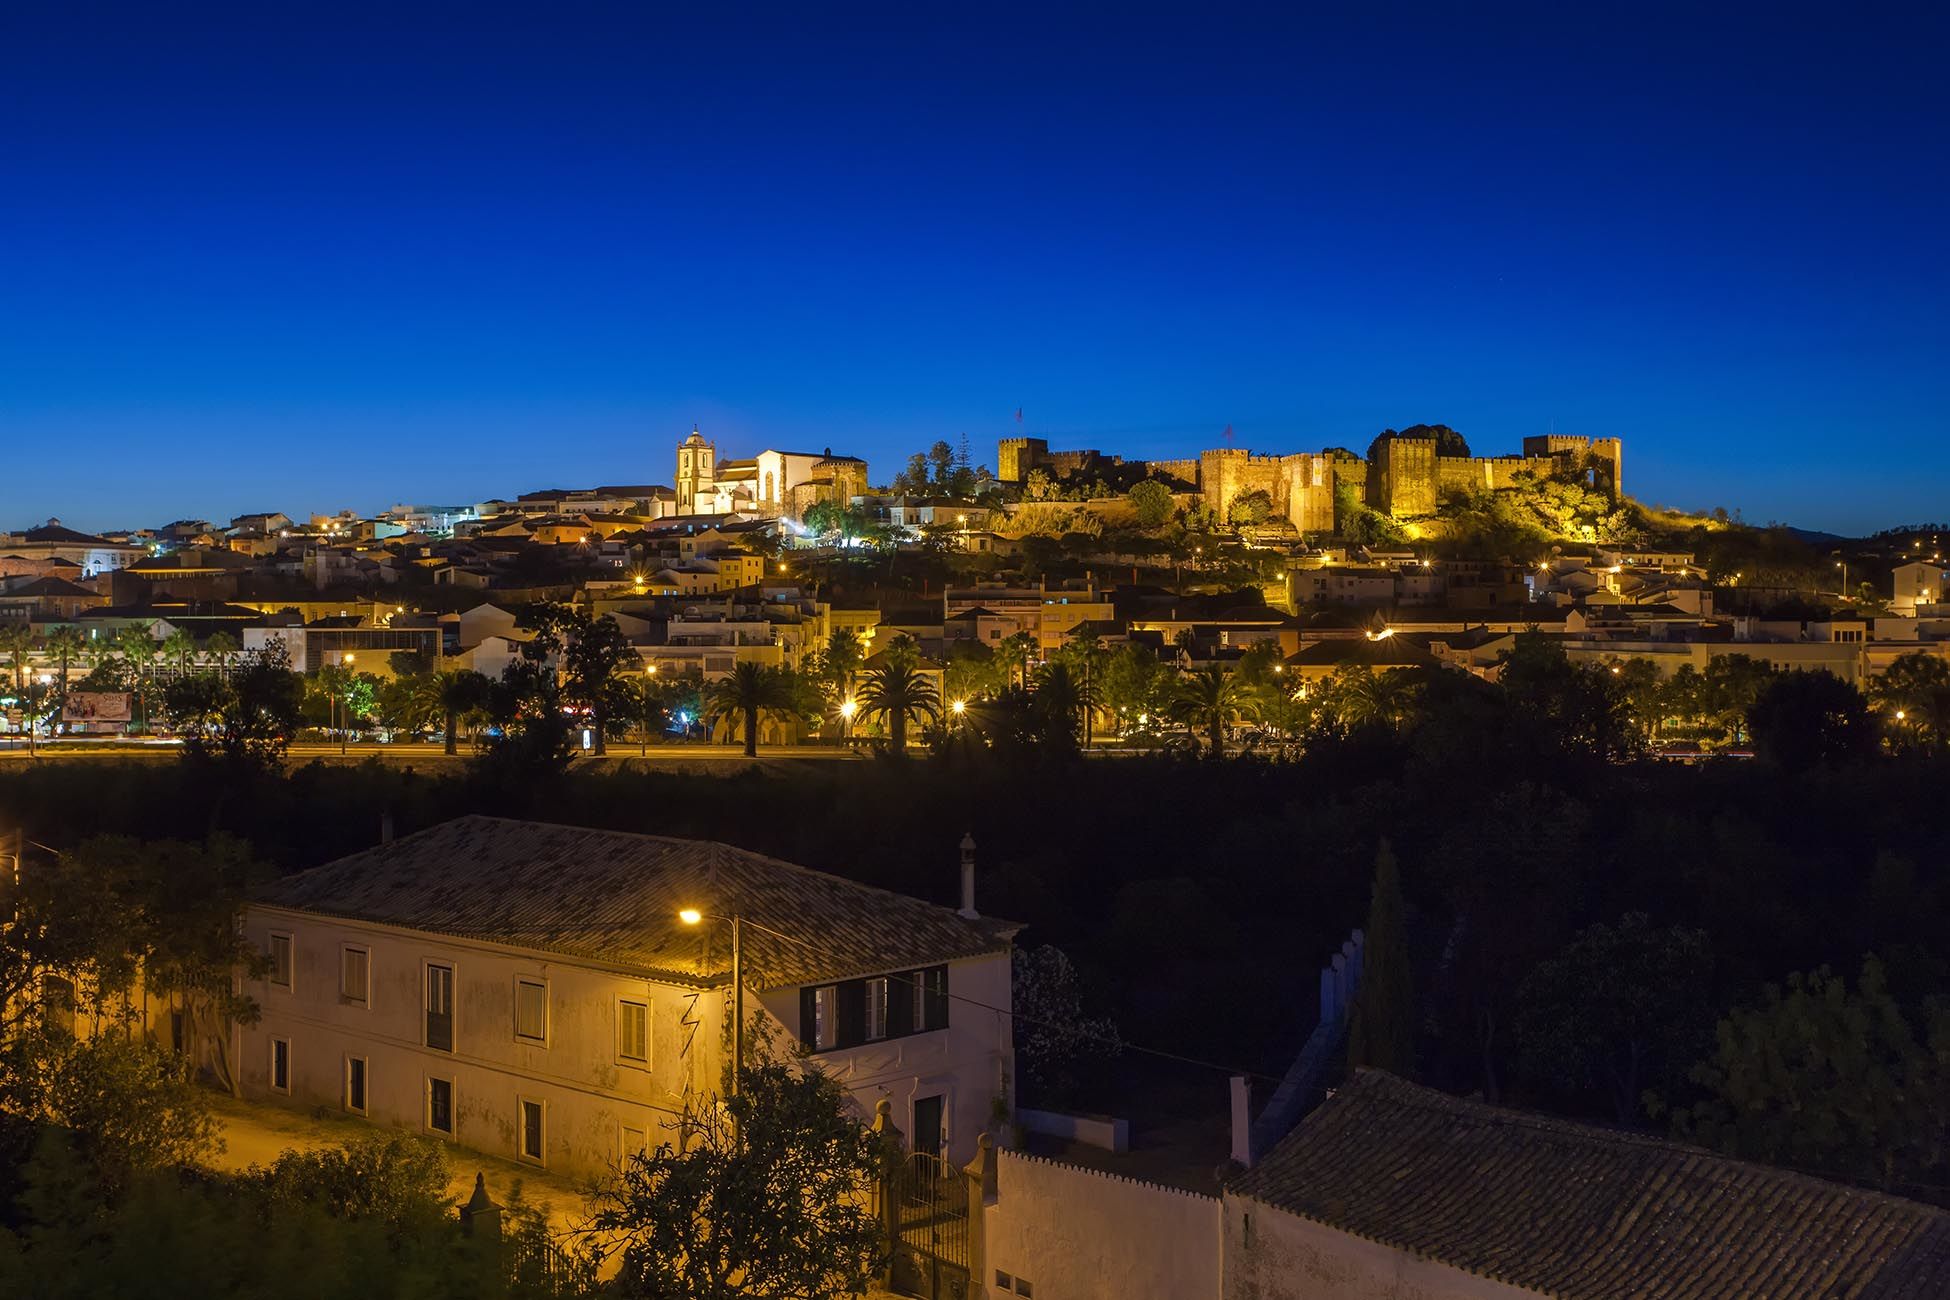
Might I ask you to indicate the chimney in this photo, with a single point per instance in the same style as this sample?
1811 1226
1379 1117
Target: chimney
968 877
386 826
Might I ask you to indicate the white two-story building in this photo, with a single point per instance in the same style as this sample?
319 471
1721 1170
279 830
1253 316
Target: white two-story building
530 990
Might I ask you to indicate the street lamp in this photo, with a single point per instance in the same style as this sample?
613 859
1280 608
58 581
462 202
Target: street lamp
848 707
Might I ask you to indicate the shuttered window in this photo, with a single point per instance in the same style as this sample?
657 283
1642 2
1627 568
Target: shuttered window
853 1012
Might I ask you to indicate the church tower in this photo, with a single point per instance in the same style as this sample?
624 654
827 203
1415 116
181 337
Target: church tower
697 466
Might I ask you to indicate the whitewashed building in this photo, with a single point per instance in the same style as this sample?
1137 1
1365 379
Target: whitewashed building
529 990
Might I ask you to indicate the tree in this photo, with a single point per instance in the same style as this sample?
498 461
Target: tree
1619 1008
762 1201
1818 1076
1381 1030
1913 696
1133 678
242 721
138 647
1053 1035
131 1103
841 659
748 693
1730 686
17 639
897 691
641 700
66 643
1152 502
1015 651
1254 507
1209 698
1802 720
1360 696
179 650
591 654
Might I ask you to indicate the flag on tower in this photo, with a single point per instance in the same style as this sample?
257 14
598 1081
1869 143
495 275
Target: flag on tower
1018 415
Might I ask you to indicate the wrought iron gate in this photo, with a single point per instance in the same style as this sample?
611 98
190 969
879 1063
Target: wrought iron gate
928 1205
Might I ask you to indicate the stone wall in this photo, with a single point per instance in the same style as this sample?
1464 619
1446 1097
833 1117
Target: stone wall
1309 497
1271 1254
1485 473
1015 457
1185 471
1069 1232
1227 473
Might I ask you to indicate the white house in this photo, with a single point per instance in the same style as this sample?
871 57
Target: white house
529 990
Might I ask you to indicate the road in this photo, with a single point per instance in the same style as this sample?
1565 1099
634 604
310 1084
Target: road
71 748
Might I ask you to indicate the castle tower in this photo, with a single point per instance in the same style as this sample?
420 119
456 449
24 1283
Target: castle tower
697 468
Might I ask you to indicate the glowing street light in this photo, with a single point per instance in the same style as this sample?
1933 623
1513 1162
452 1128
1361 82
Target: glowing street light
960 707
692 916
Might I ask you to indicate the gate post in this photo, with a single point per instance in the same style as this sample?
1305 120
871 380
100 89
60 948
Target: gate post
888 1189
979 1185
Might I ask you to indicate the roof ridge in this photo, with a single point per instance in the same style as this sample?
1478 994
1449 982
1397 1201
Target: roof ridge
1420 1096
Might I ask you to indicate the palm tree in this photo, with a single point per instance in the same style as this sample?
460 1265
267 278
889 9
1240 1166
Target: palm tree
750 691
220 646
138 646
898 690
17 639
457 692
843 657
66 644
1210 699
179 646
1015 652
1361 696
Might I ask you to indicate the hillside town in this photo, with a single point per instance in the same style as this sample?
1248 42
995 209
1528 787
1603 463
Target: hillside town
1314 568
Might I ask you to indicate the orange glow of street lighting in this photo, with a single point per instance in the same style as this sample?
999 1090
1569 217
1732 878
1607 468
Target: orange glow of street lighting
690 916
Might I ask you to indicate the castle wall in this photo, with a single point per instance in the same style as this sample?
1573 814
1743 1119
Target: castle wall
1185 471
1484 473
1402 477
1309 497
1227 473
1015 457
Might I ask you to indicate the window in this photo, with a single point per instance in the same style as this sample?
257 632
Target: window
1002 1281
280 1065
440 1106
531 1010
635 1141
870 1010
531 1129
1024 1290
355 1084
355 970
633 1031
876 992
440 1007
57 1003
281 960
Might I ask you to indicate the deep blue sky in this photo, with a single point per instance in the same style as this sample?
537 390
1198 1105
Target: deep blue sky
306 256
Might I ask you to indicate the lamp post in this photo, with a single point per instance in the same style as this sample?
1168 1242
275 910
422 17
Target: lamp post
848 707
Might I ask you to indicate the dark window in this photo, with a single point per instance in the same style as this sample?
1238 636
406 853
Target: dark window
57 1003
853 1012
440 1008
531 1130
440 1106
281 1065
355 1083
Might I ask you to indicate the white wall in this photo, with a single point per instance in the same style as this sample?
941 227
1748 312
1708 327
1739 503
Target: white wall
1075 1233
969 1064
589 1092
1273 1255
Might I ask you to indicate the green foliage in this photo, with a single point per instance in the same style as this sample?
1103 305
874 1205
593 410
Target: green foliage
1151 500
898 691
1916 686
1381 1028
393 1178
1359 524
1802 719
1584 706
242 720
748 694
1211 699
760 1203
1822 1077
130 1103
1619 1008
1254 507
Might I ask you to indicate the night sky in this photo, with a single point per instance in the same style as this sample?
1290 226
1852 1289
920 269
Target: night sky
309 256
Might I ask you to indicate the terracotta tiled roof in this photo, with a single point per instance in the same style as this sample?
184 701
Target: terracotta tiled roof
1584 1213
613 896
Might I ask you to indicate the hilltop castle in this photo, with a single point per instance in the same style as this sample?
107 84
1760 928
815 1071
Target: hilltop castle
1404 476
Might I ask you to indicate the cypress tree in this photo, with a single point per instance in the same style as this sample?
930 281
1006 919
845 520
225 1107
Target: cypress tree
1381 1032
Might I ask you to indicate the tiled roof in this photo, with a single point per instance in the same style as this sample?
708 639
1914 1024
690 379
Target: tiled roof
613 896
1584 1213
